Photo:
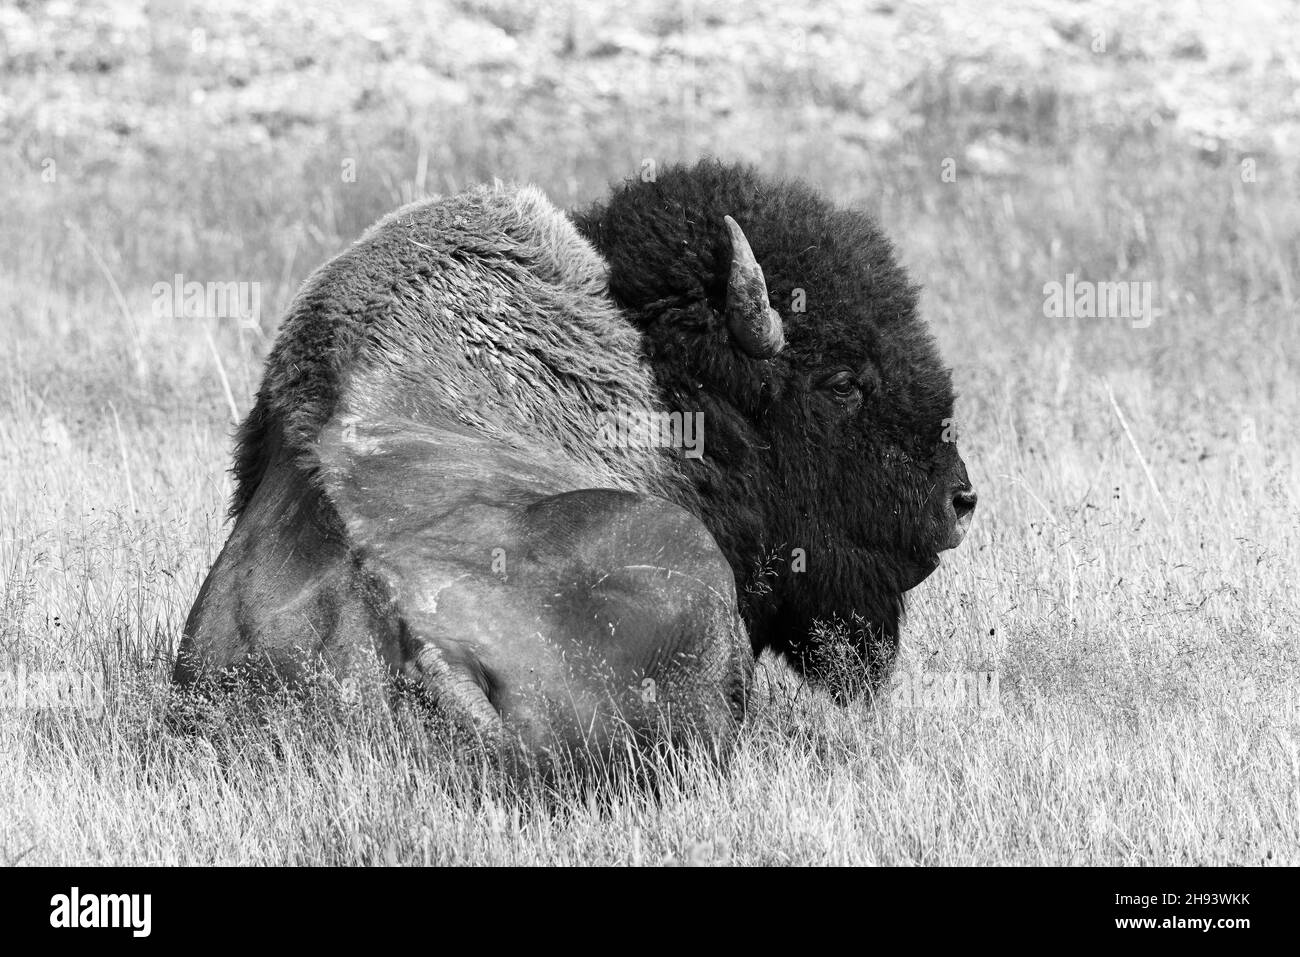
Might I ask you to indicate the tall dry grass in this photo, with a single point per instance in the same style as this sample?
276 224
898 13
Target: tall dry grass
1129 576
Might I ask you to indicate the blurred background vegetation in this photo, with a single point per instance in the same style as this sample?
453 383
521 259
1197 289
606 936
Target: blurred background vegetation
211 139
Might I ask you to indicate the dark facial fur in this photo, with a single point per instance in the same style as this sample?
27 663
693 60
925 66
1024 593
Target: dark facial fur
834 447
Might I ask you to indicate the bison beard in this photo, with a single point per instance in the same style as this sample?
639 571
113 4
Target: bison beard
419 474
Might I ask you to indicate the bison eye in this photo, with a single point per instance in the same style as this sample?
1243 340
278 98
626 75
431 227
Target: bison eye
842 385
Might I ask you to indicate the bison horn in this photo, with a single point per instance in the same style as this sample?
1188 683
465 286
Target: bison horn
753 323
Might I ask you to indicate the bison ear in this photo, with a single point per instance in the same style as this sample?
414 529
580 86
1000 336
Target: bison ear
754 324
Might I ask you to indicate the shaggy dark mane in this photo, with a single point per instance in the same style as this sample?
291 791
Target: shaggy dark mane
784 471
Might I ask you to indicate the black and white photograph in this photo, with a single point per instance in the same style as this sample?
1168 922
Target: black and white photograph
731 433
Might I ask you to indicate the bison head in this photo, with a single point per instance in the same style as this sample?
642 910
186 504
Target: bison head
830 478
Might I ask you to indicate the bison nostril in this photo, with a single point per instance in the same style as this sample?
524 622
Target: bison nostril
963 501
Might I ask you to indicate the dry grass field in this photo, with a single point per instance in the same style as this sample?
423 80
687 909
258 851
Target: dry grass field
1131 576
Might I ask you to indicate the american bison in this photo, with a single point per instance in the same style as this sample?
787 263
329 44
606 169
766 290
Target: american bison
432 469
